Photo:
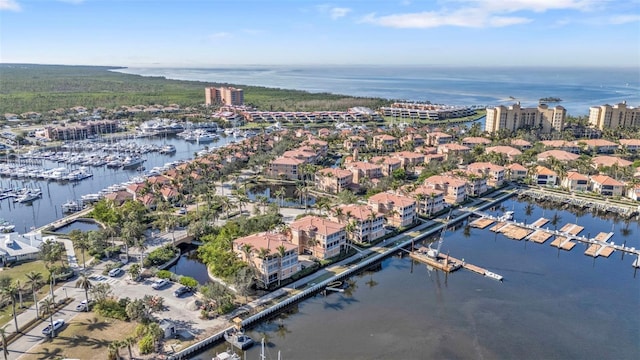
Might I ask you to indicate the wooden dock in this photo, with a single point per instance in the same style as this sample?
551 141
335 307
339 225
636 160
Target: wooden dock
599 250
482 223
540 222
563 243
572 229
539 236
441 263
515 232
475 269
498 226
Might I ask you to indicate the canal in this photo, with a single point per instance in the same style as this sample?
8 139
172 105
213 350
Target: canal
552 304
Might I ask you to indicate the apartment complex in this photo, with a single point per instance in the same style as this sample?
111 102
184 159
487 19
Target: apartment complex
272 255
620 115
81 131
223 96
514 117
318 236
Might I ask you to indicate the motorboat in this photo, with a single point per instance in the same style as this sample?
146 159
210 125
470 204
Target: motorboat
132 162
227 355
493 275
238 339
29 196
6 227
71 206
168 149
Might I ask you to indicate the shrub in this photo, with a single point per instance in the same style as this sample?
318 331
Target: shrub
160 256
164 274
145 345
113 309
189 282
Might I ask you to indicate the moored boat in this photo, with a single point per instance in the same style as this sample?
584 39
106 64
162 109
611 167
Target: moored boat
238 339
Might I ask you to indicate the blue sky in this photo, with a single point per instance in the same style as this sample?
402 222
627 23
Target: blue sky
189 33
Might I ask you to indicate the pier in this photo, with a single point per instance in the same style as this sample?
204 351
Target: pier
566 238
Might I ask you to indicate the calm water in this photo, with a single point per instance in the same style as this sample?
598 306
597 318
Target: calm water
48 208
189 265
550 306
78 225
579 88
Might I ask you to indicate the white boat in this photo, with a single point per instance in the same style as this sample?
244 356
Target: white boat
238 339
132 161
493 275
71 206
202 137
168 149
29 196
227 355
6 227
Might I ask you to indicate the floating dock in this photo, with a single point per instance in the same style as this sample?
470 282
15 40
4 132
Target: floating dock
572 229
442 263
539 236
599 250
540 222
563 243
515 232
498 226
482 223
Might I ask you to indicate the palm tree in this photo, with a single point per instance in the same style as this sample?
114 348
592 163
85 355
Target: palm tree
11 292
281 252
48 308
80 242
555 220
3 335
142 246
114 350
128 342
84 283
35 278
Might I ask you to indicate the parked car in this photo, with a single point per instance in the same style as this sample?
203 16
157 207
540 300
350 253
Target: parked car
159 284
57 324
182 211
83 305
115 272
181 291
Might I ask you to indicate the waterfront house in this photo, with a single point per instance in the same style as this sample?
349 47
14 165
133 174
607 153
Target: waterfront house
516 171
271 254
16 248
399 210
455 189
544 176
285 168
318 236
494 174
633 192
606 185
119 197
476 183
600 162
368 224
429 200
333 180
508 151
575 181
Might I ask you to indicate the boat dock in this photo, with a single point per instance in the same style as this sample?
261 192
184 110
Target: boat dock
441 263
481 223
566 238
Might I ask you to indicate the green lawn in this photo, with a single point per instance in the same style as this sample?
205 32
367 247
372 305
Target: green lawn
18 272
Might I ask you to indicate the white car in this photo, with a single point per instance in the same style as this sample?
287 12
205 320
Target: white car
115 272
159 284
57 324
83 305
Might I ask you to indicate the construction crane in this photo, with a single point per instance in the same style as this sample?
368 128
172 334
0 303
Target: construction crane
433 253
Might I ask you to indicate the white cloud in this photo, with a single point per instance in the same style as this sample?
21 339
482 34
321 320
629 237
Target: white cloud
9 5
338 12
478 13
622 19
219 35
432 19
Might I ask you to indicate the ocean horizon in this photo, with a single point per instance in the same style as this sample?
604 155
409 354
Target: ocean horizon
579 87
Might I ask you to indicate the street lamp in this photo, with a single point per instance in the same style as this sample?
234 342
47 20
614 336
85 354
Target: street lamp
65 292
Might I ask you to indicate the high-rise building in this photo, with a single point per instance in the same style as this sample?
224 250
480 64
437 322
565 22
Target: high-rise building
620 115
223 95
511 118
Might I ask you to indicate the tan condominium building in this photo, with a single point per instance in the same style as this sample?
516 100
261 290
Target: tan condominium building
514 117
223 96
616 116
